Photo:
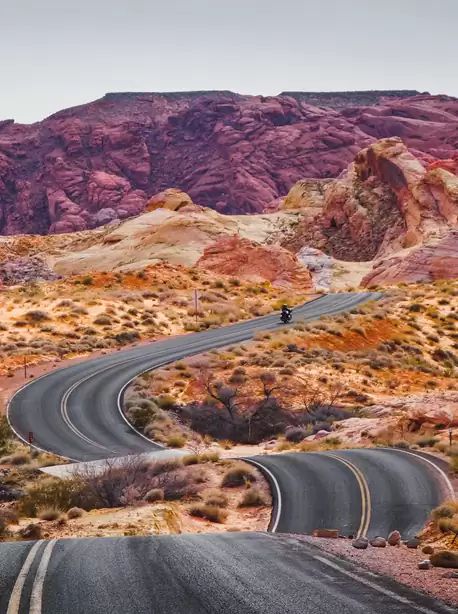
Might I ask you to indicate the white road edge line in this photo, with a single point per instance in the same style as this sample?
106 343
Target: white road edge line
441 472
36 598
277 488
16 594
374 586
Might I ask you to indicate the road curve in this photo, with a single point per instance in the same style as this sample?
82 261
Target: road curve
360 492
245 573
73 412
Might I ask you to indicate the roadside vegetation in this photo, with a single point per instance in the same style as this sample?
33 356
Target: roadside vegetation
55 320
137 495
383 374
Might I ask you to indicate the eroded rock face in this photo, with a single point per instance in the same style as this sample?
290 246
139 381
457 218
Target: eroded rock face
387 200
245 259
436 260
233 153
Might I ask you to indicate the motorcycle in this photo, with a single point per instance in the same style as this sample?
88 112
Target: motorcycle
286 316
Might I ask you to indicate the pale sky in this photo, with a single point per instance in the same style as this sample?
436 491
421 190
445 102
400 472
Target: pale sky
59 53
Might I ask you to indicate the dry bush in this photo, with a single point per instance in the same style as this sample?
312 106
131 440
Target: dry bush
49 513
176 441
216 498
75 512
208 512
36 315
240 475
252 498
8 516
447 510
155 494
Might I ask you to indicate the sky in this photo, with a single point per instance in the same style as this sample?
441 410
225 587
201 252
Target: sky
60 53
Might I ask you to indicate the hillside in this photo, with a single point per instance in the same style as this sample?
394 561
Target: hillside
88 165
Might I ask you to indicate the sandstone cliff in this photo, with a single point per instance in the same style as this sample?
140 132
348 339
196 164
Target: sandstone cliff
89 165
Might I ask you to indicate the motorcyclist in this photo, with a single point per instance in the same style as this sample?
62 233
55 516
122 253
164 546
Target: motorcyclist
286 313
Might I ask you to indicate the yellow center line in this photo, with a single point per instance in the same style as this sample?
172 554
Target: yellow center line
365 495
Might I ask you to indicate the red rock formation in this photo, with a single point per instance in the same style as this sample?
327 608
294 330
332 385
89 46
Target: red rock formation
385 201
90 164
245 259
431 262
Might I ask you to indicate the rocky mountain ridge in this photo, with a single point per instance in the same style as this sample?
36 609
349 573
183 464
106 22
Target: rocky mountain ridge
88 165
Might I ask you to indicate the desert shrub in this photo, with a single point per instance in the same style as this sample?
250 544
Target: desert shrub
48 513
427 442
55 493
238 476
295 433
36 315
165 401
20 458
75 512
102 320
446 510
176 441
209 512
191 459
155 494
5 434
252 498
87 280
401 445
216 498
127 336
8 516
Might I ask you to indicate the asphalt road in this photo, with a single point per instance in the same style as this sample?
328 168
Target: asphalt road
74 412
245 573
360 492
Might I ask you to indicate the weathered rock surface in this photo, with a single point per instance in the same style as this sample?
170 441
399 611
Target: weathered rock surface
99 161
387 200
360 543
394 538
378 542
245 259
437 259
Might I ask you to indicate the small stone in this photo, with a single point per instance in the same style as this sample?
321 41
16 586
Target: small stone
378 542
427 550
360 543
424 564
413 543
394 538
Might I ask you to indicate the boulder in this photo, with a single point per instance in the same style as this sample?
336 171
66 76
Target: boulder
31 531
445 558
394 538
245 259
425 564
413 543
427 549
378 542
360 543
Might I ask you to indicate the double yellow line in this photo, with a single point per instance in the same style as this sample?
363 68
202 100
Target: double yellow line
365 495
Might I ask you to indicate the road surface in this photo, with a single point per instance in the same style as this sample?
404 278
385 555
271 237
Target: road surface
245 573
74 412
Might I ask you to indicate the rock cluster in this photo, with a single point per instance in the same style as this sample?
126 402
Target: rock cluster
245 259
99 162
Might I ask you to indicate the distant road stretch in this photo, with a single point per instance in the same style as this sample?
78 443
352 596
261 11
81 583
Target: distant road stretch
74 412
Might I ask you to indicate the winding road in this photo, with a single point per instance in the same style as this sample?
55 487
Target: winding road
75 412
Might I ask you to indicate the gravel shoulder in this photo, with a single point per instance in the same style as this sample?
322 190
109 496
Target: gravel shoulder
397 562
